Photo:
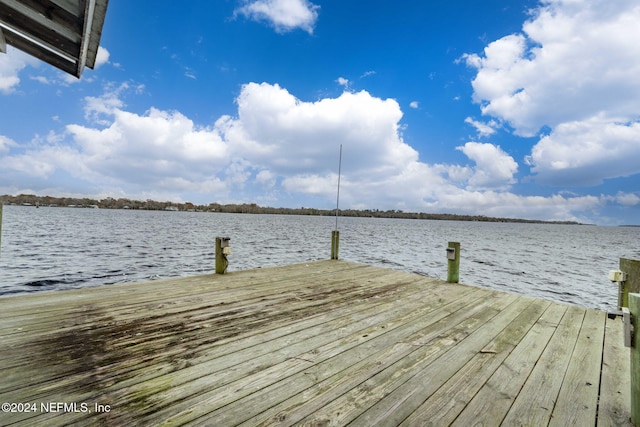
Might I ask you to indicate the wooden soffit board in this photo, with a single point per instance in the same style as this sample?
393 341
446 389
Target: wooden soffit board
63 33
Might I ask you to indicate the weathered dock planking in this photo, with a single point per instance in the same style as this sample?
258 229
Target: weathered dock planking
321 343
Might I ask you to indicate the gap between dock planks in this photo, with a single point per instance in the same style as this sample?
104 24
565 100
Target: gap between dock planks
320 343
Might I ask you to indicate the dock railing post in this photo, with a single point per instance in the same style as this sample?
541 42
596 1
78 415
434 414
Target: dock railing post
453 262
335 244
222 250
634 309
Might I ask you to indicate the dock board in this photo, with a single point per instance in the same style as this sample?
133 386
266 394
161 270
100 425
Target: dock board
317 344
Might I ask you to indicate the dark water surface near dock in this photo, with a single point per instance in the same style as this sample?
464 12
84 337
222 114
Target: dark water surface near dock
62 248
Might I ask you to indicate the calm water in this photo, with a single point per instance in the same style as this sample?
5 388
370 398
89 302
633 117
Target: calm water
62 248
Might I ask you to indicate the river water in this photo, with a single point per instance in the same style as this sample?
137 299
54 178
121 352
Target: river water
63 248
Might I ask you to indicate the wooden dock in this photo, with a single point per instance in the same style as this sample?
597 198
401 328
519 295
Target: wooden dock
317 344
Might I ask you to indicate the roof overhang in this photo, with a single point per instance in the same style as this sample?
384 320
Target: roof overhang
63 33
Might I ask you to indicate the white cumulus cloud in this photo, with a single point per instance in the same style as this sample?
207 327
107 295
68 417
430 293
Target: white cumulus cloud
102 57
277 131
342 81
283 15
587 152
575 71
483 129
494 168
277 147
11 63
6 144
147 148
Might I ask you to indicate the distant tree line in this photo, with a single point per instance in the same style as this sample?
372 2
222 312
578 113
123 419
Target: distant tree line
245 208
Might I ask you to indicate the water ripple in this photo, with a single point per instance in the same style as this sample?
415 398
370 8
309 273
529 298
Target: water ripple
61 248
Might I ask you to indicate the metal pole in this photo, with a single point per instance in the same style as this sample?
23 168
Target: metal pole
335 234
338 196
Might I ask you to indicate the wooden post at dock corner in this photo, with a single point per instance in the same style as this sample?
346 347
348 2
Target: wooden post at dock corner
453 262
634 309
0 227
631 268
335 244
222 250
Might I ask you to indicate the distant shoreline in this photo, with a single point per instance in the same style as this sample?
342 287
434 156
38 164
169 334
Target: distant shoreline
250 208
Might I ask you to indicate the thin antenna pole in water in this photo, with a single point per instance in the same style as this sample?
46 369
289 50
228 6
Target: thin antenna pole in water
338 197
335 234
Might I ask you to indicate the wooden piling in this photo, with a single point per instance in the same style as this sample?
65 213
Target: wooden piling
222 250
634 308
623 298
632 283
335 244
453 262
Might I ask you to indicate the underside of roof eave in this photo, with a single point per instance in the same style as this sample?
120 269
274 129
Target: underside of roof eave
3 42
95 35
63 33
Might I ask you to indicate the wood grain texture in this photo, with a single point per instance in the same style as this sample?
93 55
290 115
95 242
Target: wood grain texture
320 343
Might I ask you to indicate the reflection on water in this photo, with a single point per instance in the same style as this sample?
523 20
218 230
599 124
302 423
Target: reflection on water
62 248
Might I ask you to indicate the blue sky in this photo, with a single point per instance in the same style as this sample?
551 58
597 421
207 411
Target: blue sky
526 109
